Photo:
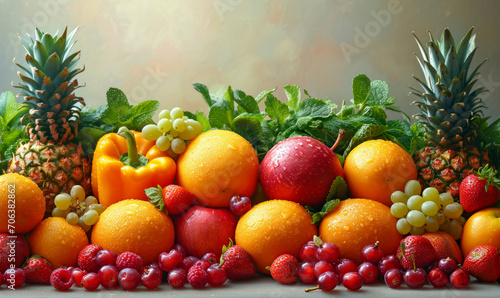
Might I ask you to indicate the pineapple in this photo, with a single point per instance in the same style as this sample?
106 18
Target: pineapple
52 158
450 111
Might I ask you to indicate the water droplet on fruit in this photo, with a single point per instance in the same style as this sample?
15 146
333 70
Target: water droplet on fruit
310 145
231 147
284 168
276 164
295 148
346 228
130 213
370 218
300 144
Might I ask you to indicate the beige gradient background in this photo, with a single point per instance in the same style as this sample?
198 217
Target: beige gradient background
156 49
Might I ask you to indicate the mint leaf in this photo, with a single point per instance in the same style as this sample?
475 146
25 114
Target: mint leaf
220 114
276 109
142 112
264 95
204 93
117 106
89 137
293 94
249 127
379 94
375 112
205 124
315 108
401 130
366 132
328 207
246 102
418 131
338 189
361 86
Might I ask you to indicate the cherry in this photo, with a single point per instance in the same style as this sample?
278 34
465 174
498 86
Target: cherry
216 275
210 257
181 249
308 252
326 282
447 265
393 278
78 274
177 278
105 257
368 272
90 281
372 253
344 266
152 264
322 267
415 278
352 281
240 205
152 277
129 279
188 262
460 278
328 252
389 262
14 278
437 278
108 274
170 260
306 273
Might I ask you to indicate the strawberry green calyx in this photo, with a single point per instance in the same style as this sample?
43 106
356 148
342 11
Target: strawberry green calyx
317 240
155 195
490 175
224 249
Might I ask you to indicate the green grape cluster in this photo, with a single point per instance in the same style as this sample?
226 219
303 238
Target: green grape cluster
172 131
426 211
78 209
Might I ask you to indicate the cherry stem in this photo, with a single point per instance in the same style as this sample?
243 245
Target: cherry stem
339 138
312 289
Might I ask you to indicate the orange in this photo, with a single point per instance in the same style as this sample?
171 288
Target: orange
22 204
273 228
58 241
135 226
377 168
359 222
482 228
217 165
445 245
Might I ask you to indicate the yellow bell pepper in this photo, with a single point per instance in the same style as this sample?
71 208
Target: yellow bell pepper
125 164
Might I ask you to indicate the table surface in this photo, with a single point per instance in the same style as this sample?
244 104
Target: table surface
261 286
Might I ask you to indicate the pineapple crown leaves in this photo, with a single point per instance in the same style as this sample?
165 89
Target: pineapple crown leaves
450 108
491 176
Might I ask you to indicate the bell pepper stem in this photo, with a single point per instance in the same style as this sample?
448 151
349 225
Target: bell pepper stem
133 156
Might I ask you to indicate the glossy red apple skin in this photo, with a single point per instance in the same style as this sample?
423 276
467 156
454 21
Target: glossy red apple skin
299 169
202 230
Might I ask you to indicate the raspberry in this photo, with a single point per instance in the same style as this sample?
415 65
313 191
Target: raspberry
61 279
129 260
197 277
87 258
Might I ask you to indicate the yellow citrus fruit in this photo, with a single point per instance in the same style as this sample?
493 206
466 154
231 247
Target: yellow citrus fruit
135 226
359 222
377 168
58 241
482 228
22 204
217 165
273 228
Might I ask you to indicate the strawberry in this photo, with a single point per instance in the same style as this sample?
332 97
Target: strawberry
37 270
478 191
87 258
236 261
416 251
285 269
13 251
483 262
174 198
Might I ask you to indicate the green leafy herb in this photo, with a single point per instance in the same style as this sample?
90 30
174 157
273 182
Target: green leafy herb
317 216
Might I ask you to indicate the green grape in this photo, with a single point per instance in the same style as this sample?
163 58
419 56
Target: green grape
185 118
417 230
164 125
461 220
178 145
431 224
446 199
176 113
195 125
455 229
163 143
431 194
416 218
56 212
445 225
399 210
399 197
97 207
453 210
164 114
72 218
174 133
413 188
415 202
179 125
90 217
170 137
84 226
403 226
78 193
430 208
151 132
90 200
62 201
188 134
440 217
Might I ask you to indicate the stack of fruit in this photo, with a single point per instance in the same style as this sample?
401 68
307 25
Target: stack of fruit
300 191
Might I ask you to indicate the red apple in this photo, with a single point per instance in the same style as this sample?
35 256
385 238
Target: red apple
202 230
300 169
